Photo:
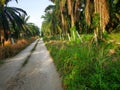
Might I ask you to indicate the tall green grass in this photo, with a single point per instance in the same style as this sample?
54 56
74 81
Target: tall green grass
85 66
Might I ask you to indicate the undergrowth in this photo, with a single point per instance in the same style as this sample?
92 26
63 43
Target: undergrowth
85 66
11 50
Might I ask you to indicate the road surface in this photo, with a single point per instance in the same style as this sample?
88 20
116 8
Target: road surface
38 74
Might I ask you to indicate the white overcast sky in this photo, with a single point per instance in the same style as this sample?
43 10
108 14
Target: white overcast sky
34 8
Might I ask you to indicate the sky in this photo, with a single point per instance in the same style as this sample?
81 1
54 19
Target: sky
34 8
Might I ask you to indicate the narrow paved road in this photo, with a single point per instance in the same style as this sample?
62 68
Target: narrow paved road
38 74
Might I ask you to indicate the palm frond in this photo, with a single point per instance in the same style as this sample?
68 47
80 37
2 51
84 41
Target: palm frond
7 1
50 7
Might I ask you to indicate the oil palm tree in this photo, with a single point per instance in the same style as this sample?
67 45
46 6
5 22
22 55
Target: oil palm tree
33 29
52 17
10 16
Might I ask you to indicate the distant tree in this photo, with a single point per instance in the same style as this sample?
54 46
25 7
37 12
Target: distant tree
33 29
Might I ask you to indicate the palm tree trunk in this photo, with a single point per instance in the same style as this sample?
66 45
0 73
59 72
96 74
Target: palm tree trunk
72 20
87 12
76 12
70 11
64 26
100 7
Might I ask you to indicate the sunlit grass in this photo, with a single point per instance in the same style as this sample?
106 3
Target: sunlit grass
12 49
7 43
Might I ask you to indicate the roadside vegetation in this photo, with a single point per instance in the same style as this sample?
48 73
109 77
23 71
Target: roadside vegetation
84 66
10 50
83 37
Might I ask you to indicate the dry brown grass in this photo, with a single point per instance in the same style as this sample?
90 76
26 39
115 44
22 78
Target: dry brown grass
12 49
